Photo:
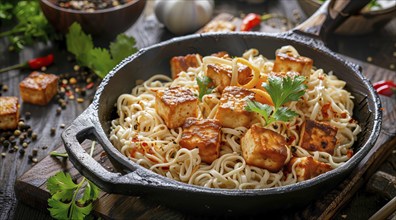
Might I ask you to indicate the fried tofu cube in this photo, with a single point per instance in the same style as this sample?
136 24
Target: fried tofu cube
231 112
9 112
39 88
285 62
221 75
307 167
175 105
264 148
182 63
318 136
203 134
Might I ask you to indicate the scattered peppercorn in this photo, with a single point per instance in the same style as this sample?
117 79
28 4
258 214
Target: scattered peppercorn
34 151
17 133
53 131
34 136
58 110
27 115
80 100
62 126
24 145
3 154
22 151
5 88
34 160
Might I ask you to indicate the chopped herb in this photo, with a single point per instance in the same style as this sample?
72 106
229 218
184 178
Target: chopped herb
281 90
203 85
68 199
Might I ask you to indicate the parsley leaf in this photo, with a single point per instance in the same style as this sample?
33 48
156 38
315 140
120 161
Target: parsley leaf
99 60
281 90
203 85
31 26
118 50
68 199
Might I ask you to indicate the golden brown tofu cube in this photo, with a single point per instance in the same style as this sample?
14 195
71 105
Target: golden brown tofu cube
202 134
318 136
264 148
39 88
288 63
231 112
308 167
221 75
9 112
182 63
175 105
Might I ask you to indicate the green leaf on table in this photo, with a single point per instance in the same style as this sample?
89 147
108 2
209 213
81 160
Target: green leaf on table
99 60
78 43
91 192
61 186
123 47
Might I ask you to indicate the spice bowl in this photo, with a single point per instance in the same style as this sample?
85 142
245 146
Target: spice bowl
104 23
365 22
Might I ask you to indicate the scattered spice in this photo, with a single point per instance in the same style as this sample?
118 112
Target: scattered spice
3 154
369 59
27 115
90 5
53 131
34 151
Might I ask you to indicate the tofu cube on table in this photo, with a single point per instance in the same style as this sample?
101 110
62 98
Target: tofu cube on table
39 88
204 134
175 105
9 112
264 148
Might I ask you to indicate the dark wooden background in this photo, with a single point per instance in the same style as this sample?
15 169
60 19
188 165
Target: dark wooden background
379 46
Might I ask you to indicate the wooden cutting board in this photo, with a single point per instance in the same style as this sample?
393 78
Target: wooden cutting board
30 188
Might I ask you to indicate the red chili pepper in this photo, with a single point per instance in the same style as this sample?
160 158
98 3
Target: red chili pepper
385 87
33 64
37 63
250 21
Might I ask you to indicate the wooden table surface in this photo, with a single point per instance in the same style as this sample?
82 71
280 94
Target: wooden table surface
379 48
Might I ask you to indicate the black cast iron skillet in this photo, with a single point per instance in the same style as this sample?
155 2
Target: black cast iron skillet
132 179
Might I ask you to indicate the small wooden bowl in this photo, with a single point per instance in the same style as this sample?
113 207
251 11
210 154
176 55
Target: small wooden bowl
103 23
363 23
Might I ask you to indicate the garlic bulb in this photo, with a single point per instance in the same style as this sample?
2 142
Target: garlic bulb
183 16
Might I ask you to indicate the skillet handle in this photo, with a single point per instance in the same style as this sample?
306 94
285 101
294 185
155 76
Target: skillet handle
329 17
136 182
82 128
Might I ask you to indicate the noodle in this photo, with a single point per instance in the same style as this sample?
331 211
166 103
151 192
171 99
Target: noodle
141 134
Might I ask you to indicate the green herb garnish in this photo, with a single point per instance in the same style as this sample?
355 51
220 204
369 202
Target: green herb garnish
281 90
100 60
203 85
31 24
68 199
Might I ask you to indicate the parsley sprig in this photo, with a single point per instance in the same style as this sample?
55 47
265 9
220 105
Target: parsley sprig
281 90
100 60
68 199
204 86
31 24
